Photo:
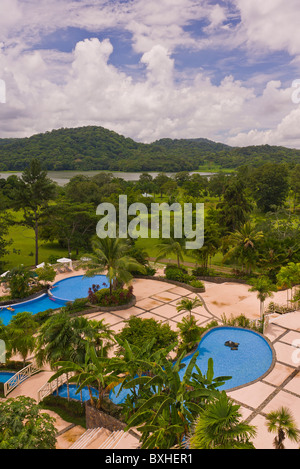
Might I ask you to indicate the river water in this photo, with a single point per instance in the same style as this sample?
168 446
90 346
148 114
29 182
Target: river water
63 177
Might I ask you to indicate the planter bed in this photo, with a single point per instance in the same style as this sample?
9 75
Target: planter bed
173 282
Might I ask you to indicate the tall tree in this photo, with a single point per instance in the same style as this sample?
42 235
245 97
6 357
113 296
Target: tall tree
72 224
234 206
264 288
270 186
33 194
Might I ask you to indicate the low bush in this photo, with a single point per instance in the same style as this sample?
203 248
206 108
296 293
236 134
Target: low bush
72 411
138 332
76 306
179 274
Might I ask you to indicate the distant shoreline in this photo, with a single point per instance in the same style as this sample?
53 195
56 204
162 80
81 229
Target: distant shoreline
63 177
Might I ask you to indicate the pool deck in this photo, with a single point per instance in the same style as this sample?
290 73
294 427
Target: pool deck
281 387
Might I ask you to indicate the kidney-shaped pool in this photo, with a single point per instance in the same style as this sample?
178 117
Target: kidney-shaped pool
249 361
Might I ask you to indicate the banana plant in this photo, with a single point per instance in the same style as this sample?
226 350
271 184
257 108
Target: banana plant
165 417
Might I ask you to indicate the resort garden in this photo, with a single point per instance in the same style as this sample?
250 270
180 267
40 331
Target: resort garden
252 236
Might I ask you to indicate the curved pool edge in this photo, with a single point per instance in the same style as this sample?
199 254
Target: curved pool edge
32 300
274 356
59 282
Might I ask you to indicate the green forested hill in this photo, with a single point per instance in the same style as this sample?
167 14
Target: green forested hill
96 148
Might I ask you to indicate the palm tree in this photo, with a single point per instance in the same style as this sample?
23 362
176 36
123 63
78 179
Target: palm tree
264 288
111 254
218 426
288 277
62 338
171 246
188 305
281 422
20 334
244 242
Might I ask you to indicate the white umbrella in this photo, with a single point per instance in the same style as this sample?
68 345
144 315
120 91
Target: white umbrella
41 266
4 275
65 260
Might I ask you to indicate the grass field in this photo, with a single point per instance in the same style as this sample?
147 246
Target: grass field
22 249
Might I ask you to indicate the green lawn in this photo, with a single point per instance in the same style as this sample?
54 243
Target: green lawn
21 251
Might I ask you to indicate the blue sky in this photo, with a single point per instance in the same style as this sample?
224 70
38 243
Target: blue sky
151 69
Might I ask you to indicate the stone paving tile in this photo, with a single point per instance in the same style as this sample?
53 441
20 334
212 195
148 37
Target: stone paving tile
253 395
127 313
148 303
179 291
167 311
274 331
285 399
294 385
149 315
285 353
166 297
291 338
290 321
109 318
279 374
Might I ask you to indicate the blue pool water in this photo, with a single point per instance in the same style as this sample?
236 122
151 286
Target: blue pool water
63 392
77 287
252 359
64 291
5 376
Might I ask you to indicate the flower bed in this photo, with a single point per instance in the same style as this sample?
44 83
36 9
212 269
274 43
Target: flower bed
119 298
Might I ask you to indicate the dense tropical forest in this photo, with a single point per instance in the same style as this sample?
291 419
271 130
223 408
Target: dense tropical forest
96 148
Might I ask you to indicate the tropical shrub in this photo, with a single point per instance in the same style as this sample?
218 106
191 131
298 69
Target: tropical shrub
118 297
76 306
180 275
23 426
138 332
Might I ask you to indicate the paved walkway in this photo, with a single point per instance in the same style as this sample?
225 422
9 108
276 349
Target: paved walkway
281 387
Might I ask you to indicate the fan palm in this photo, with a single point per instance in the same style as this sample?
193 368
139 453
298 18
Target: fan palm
264 288
171 246
218 426
188 305
282 423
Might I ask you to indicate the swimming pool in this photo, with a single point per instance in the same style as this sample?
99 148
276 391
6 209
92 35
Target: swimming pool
63 292
251 361
63 392
72 288
5 376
